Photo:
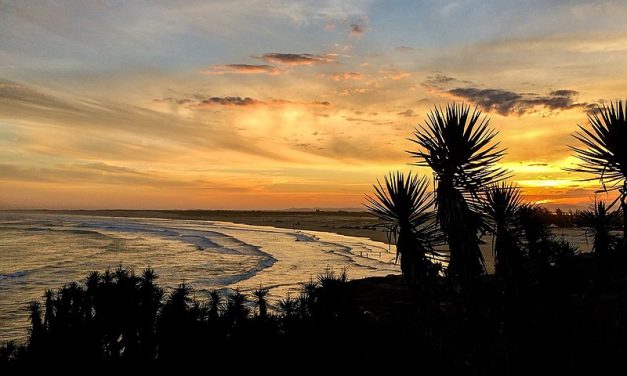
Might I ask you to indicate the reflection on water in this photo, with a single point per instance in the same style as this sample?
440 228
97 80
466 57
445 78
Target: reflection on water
43 251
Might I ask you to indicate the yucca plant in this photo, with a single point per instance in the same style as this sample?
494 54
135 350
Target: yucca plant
599 221
215 304
262 303
288 307
456 143
403 206
236 308
604 153
501 206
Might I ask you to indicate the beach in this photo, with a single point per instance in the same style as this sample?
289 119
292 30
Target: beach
44 250
350 223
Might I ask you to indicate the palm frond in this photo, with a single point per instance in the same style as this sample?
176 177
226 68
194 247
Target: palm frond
457 145
604 154
405 203
502 204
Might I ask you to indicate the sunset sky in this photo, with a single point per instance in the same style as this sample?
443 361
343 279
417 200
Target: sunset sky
282 104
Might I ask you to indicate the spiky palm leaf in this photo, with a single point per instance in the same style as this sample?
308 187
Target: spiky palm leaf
502 204
403 205
606 153
456 145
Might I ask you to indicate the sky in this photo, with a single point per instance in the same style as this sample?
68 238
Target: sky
286 104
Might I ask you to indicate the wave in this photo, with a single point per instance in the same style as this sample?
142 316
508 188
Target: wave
14 275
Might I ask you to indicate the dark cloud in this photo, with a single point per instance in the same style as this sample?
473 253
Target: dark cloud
507 102
357 30
564 93
199 101
321 103
351 118
242 69
407 113
504 102
441 81
296 59
229 101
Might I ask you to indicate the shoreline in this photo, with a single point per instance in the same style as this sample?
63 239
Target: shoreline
357 224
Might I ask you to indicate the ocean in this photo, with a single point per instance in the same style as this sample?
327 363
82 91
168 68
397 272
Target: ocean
45 251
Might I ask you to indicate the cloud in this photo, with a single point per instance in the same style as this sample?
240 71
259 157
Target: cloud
404 49
46 123
407 113
229 101
199 101
564 93
345 76
357 30
438 81
296 59
394 74
507 102
242 69
93 174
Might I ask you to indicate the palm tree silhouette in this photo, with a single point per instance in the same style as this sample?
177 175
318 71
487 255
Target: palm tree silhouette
457 145
215 304
501 206
605 154
236 308
260 294
599 221
403 205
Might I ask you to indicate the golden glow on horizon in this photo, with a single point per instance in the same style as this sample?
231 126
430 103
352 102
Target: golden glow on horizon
554 183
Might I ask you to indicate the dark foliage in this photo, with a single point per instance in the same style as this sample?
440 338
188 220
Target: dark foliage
119 321
403 206
604 154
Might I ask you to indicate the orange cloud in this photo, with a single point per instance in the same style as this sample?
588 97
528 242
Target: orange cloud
242 69
345 76
394 74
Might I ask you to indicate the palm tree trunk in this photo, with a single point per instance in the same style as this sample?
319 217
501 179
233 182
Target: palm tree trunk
457 223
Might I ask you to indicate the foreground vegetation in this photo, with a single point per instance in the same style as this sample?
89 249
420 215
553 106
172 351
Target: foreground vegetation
561 317
546 308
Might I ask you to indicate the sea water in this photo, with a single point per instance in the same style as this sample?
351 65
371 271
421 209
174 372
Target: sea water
45 251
